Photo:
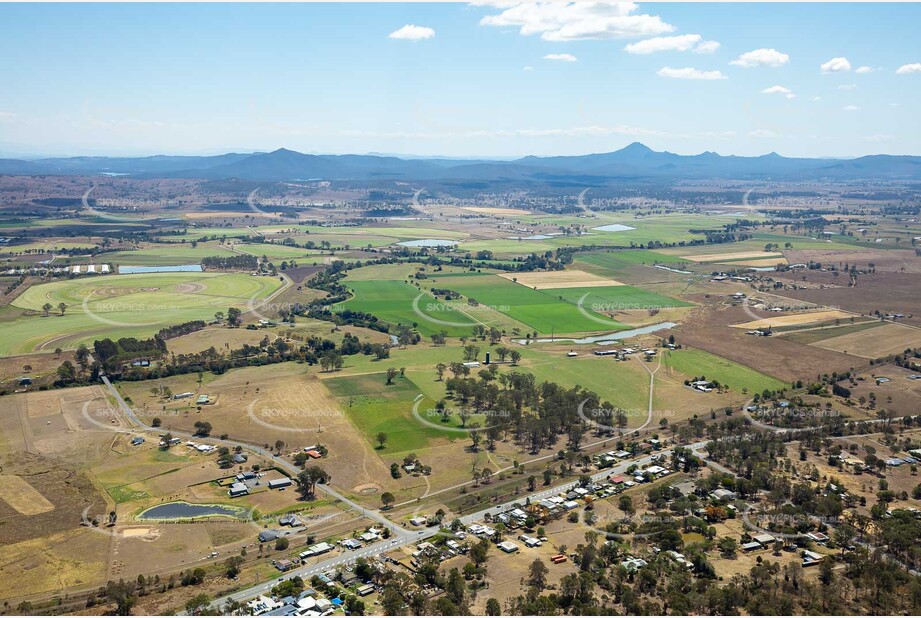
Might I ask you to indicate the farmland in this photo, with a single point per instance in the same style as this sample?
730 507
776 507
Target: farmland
124 306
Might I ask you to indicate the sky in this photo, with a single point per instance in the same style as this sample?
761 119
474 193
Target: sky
458 80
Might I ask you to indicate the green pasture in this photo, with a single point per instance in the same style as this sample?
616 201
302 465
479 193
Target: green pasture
124 306
693 362
375 407
166 254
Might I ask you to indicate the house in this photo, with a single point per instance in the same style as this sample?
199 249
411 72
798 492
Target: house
529 541
508 547
202 400
137 440
472 364
751 546
656 470
810 558
314 454
369 537
418 520
290 520
764 539
239 458
279 483
724 494
246 476
633 564
238 489
818 537
267 535
182 395
365 590
316 550
351 544
283 565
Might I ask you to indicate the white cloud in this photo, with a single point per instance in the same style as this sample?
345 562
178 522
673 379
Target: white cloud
412 32
561 57
527 68
707 47
761 58
779 90
816 99
863 70
682 43
573 21
6 116
836 65
847 87
763 133
905 69
689 73
851 108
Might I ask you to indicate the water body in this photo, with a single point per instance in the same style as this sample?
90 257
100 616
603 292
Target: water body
185 510
137 270
428 242
613 227
534 237
607 339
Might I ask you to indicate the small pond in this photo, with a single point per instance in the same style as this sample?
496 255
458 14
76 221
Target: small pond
137 270
185 510
428 242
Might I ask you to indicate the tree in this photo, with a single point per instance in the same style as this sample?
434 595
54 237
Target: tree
727 545
440 369
493 608
537 574
625 504
282 544
387 499
62 307
471 352
381 439
202 428
197 603
46 308
233 316
308 479
515 356
391 374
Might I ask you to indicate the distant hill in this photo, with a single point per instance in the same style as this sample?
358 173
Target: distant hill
635 161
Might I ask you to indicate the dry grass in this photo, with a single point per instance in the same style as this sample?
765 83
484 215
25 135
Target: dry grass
795 319
496 211
559 279
738 255
874 342
17 492
758 262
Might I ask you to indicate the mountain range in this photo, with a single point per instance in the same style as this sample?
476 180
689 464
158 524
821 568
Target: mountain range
634 162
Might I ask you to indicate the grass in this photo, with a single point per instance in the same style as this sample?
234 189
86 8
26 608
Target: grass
392 301
164 254
374 407
124 306
540 310
122 494
616 261
821 334
693 362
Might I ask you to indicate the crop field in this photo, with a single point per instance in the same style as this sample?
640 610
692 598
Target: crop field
542 311
124 306
728 257
396 302
875 342
616 261
795 319
693 362
810 335
559 279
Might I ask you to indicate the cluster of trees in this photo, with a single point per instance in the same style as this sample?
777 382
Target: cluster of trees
231 262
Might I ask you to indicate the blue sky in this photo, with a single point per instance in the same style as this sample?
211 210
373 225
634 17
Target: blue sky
468 80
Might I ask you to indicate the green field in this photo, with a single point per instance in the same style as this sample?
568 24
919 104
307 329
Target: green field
612 262
124 306
393 301
540 310
374 407
165 255
693 362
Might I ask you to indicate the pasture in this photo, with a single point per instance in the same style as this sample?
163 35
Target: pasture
795 319
124 306
694 362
